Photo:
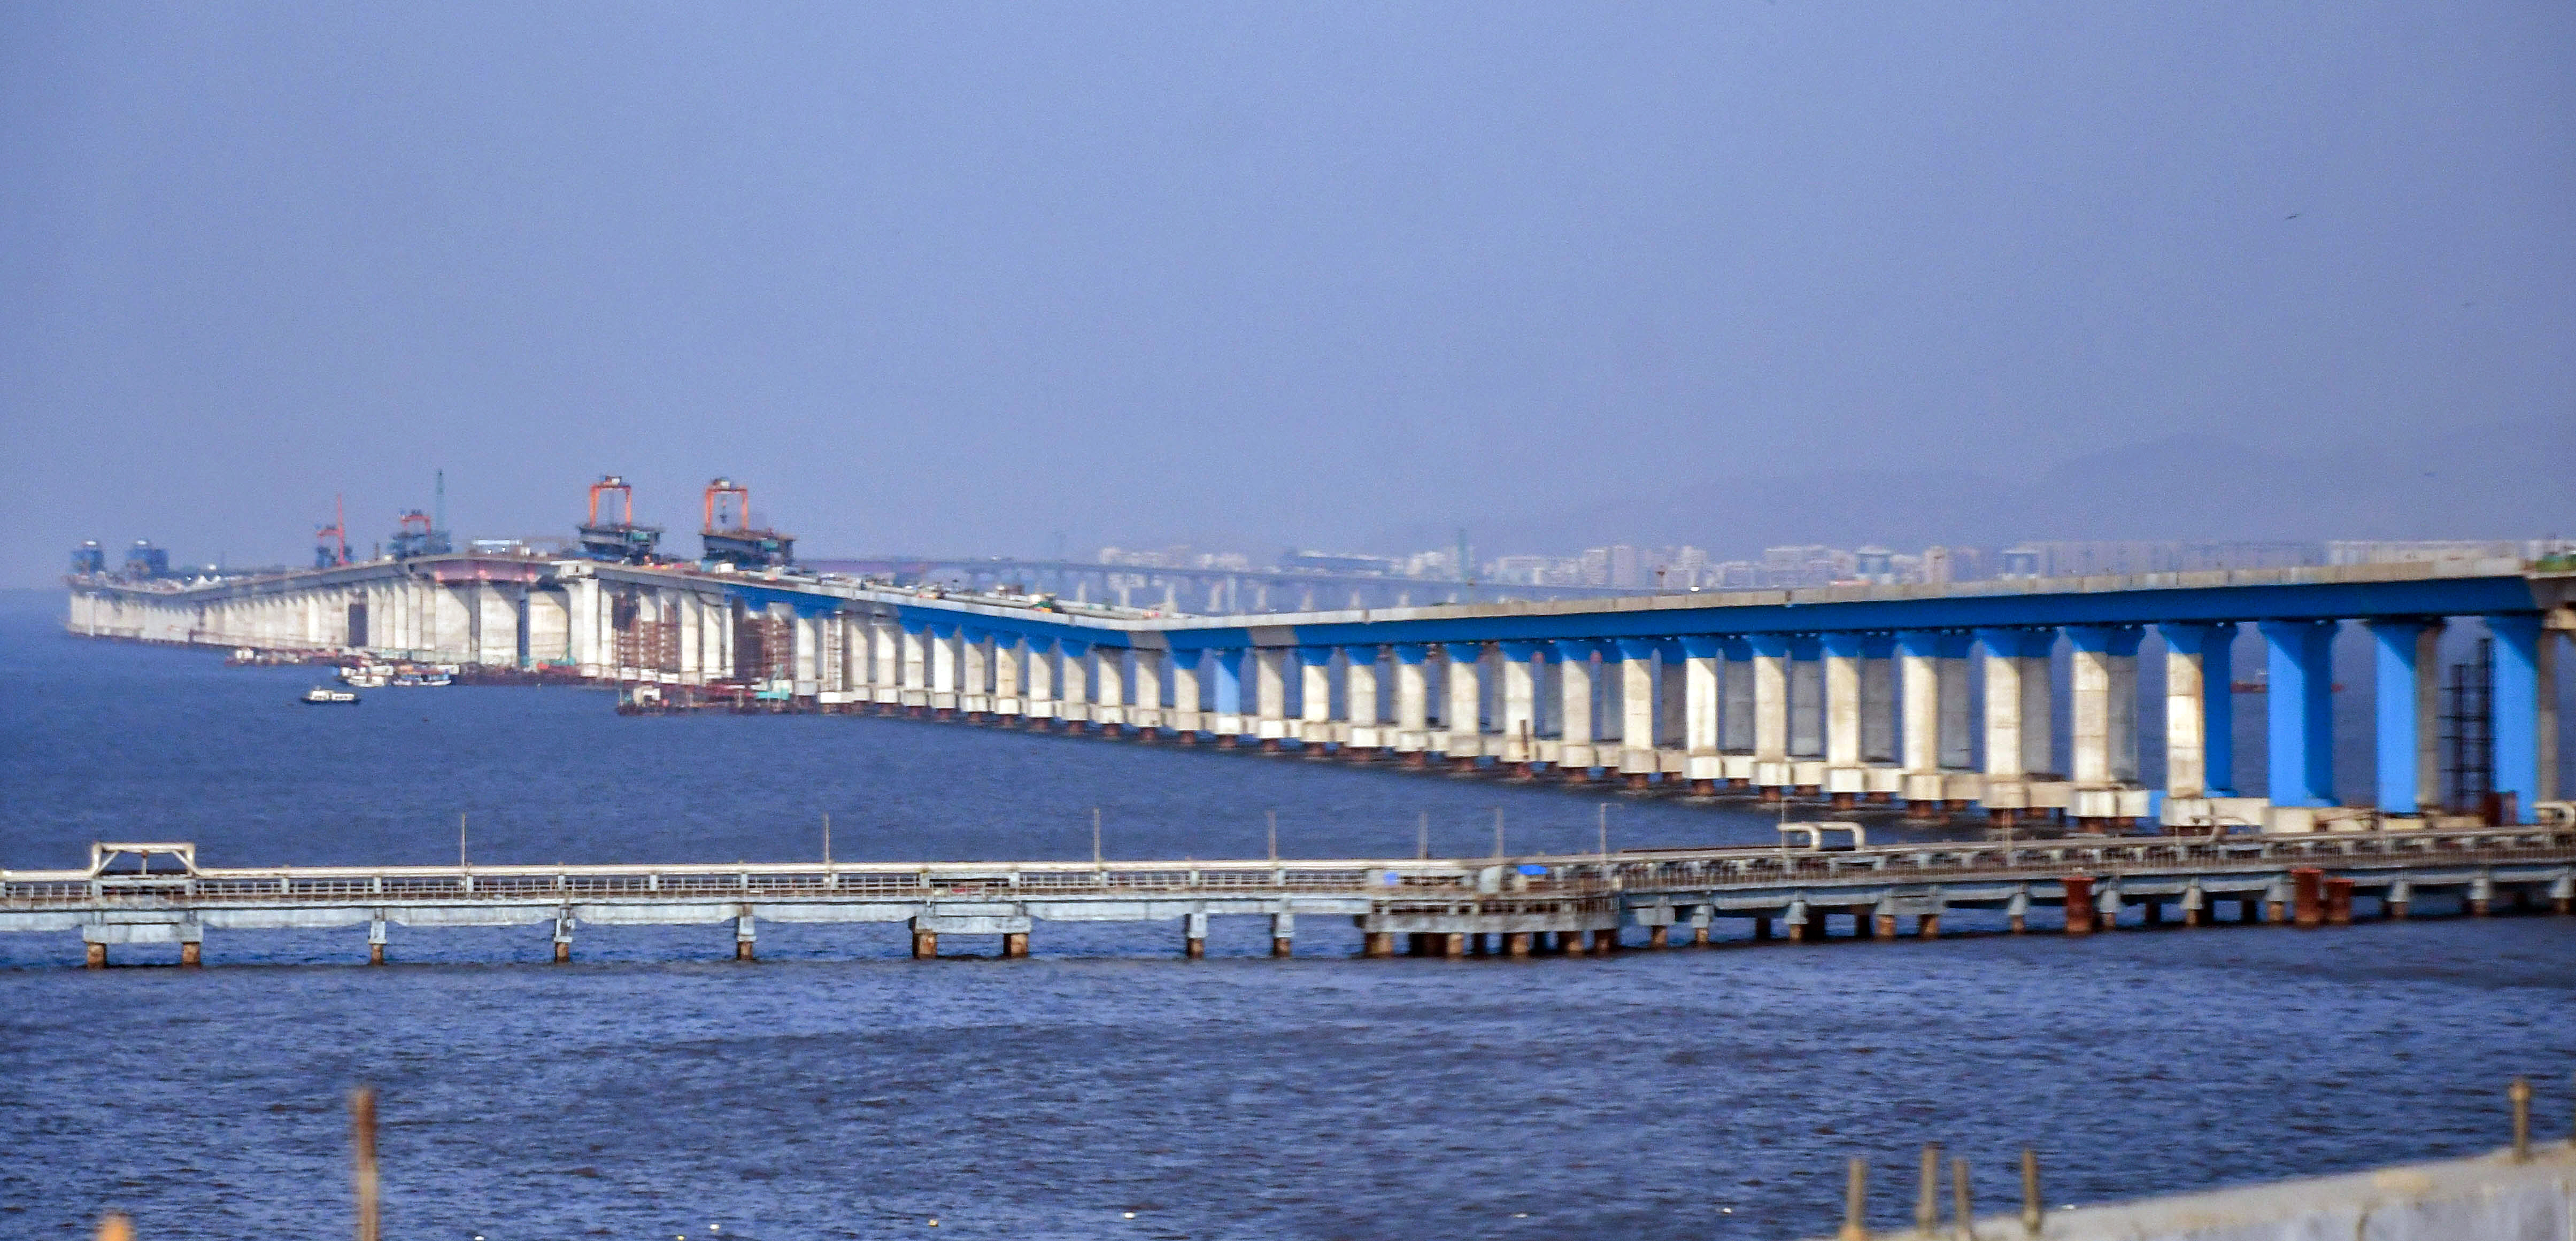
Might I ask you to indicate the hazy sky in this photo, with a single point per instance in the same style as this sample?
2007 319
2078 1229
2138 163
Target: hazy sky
958 278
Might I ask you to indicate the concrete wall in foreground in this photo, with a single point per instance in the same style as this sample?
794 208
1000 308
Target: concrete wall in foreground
2490 1198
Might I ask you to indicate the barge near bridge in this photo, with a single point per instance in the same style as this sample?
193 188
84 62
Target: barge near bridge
1574 905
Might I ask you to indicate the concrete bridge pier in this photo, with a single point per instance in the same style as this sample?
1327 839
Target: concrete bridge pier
1772 774
2079 904
1575 748
1270 696
1073 684
376 942
1845 780
1041 707
744 936
1228 725
1194 929
1366 738
1283 935
1186 718
1109 689
1517 741
1463 667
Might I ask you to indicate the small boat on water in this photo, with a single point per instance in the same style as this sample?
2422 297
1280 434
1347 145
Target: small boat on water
319 695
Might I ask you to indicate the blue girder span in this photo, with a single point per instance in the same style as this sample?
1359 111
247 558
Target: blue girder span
2321 601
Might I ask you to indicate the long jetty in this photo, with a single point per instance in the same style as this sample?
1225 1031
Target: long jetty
1508 906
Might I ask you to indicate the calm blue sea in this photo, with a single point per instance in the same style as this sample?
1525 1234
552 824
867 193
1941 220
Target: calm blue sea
1106 1088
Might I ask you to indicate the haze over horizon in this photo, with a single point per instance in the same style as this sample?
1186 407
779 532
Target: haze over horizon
965 279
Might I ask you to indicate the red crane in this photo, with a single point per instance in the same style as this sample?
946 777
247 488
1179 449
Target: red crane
331 542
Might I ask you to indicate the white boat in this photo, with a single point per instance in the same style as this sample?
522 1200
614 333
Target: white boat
318 696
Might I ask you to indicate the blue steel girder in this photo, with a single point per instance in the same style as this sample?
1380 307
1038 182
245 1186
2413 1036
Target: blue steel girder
808 606
2317 601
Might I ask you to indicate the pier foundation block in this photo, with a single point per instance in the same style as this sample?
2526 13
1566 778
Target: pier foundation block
2079 904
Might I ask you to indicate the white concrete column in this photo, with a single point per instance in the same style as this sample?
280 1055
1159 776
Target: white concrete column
1702 763
2038 681
2000 651
943 668
1919 658
2105 704
1735 691
1576 752
974 670
885 642
1109 686
2187 722
581 599
916 666
1145 691
1412 698
1771 698
1953 674
1038 671
1359 698
1806 698
1008 695
1672 712
1073 684
1314 695
1637 702
1465 716
1842 658
1270 694
1517 718
1187 716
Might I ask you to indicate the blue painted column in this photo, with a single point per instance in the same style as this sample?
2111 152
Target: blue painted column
2300 660
2517 706
2200 715
2402 664
1228 725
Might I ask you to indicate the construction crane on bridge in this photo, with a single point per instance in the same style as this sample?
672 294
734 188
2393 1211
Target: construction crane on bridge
620 541
331 542
729 536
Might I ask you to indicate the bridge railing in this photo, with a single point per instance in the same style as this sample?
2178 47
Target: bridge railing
1560 875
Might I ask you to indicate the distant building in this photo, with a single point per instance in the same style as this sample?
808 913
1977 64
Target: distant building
2442 551
1340 562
